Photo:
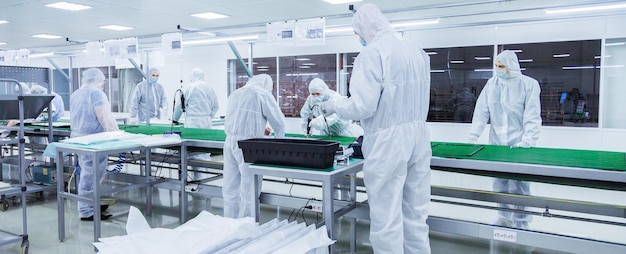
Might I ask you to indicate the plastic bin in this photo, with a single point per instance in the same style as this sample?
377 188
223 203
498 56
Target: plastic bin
289 152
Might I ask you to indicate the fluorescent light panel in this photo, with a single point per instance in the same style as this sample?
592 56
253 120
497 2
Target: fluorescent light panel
68 6
341 1
303 59
338 29
300 74
482 58
47 36
311 64
615 44
483 70
457 61
415 23
3 21
589 8
39 55
431 53
209 15
560 55
437 71
2 43
116 27
525 60
223 39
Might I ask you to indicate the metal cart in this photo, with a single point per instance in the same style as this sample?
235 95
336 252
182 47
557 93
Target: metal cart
19 106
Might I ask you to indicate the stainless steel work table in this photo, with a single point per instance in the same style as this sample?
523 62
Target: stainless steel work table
326 176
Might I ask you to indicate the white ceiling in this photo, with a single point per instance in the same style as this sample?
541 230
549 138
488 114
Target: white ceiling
151 18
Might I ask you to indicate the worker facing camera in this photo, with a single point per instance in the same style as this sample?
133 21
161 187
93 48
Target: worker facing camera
313 117
148 100
510 103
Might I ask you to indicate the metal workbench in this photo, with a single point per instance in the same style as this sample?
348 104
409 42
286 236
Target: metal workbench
327 177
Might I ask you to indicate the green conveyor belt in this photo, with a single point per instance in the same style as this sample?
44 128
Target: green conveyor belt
544 156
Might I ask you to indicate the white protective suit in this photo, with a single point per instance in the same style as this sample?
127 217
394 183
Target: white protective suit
250 109
148 99
201 103
511 105
90 113
328 125
58 107
390 93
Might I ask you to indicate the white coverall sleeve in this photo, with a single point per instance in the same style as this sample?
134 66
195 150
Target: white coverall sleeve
216 105
532 116
481 114
305 112
274 115
134 102
105 118
178 108
365 88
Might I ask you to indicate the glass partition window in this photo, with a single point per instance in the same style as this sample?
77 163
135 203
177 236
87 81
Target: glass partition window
295 74
569 75
614 89
457 76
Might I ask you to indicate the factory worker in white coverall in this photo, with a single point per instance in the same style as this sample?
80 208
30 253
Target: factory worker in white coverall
250 109
390 92
90 113
148 99
330 125
510 103
201 103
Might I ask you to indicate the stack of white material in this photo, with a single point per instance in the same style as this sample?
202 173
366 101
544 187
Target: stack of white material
208 233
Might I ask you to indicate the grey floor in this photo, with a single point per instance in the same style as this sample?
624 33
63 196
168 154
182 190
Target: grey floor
43 228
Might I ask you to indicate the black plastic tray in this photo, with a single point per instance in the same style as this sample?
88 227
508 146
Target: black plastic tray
289 152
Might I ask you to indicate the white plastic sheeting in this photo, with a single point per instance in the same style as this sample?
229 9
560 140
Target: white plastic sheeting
209 233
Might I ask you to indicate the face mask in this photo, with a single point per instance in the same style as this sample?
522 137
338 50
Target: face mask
153 80
363 43
501 73
318 99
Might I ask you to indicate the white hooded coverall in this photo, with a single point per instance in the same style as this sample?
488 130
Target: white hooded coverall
513 108
330 125
250 109
390 93
90 113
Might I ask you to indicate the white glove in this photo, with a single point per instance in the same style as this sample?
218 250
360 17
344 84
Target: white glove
328 107
318 123
133 120
472 140
521 144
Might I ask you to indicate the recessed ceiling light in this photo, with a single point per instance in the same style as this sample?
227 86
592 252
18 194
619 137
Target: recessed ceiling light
263 66
2 43
302 59
68 6
457 61
209 15
116 27
262 69
525 60
341 1
47 36
3 21
304 67
311 64
482 58
589 8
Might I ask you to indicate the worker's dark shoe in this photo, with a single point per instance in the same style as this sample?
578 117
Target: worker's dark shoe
103 208
102 217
